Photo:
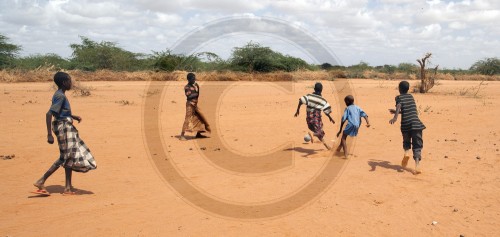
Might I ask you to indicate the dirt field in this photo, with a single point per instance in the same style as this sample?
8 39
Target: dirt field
131 195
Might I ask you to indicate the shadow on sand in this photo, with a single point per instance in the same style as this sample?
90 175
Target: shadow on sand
387 165
307 152
54 189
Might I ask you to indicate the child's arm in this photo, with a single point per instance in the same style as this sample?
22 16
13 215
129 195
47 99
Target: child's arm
298 108
330 117
393 111
341 125
367 122
77 118
48 121
396 113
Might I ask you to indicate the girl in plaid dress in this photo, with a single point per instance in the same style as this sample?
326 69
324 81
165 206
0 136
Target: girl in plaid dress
74 154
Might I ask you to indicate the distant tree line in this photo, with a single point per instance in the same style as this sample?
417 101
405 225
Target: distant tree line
89 55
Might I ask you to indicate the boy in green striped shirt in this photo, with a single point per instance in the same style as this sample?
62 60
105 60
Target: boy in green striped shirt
411 126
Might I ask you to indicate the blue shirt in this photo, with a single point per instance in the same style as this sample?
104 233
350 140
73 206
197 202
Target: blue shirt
353 114
60 107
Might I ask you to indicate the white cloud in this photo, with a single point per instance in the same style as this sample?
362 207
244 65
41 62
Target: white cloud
456 25
431 31
379 32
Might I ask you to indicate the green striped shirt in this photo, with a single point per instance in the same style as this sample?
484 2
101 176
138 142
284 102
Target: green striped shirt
409 113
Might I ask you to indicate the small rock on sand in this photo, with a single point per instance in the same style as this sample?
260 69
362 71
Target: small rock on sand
7 157
478 157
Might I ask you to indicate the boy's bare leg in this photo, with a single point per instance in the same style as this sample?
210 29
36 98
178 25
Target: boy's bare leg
311 136
326 145
68 190
406 157
417 167
182 137
199 135
343 142
339 147
321 140
40 183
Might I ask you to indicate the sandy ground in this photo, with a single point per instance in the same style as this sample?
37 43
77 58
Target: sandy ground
366 195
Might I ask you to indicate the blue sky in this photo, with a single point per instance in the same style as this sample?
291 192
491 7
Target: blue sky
378 32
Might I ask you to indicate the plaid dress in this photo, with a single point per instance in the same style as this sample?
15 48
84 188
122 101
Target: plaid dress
73 151
315 104
195 120
314 123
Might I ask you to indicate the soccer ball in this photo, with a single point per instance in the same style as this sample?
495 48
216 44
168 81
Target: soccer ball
307 138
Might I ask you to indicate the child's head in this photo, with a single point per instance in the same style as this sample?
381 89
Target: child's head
404 86
349 100
62 80
191 78
318 88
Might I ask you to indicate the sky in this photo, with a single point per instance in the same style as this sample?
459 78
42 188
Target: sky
378 32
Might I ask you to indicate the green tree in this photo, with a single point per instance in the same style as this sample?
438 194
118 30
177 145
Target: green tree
356 71
487 66
211 62
407 68
36 61
8 51
167 61
91 55
252 57
256 58
389 69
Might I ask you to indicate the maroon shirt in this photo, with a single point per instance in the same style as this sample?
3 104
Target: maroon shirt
192 93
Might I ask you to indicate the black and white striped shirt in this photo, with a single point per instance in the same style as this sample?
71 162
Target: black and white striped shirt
316 102
409 113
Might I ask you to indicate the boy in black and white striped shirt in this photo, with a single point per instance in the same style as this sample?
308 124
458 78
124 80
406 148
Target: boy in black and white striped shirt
411 126
315 104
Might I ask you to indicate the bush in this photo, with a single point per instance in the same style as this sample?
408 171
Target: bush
8 52
91 56
487 66
49 61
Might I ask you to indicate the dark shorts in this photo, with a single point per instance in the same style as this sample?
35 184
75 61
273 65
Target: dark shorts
413 140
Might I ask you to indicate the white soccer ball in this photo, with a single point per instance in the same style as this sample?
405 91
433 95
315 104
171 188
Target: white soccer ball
307 138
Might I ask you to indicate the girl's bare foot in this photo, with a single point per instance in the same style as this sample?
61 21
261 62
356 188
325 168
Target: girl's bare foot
417 167
404 162
338 149
311 136
40 186
199 135
69 191
326 145
182 138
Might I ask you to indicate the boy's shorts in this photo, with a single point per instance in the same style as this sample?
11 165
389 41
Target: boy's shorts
413 140
351 130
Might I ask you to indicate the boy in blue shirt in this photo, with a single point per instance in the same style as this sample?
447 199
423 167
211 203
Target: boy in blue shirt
352 114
